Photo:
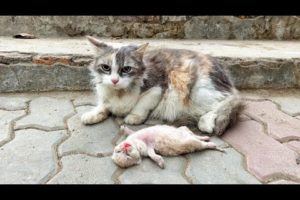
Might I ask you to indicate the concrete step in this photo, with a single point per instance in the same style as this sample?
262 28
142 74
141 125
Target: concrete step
61 63
184 27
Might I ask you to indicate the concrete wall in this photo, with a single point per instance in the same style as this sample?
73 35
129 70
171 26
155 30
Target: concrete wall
196 27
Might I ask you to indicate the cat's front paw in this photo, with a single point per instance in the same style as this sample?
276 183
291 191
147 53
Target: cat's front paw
134 119
93 117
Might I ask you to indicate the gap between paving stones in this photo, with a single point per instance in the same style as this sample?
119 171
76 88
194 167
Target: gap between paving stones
11 133
57 157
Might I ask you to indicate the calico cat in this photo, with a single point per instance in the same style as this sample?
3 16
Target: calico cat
163 139
174 85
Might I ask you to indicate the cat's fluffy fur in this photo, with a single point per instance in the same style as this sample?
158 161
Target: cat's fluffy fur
167 84
162 139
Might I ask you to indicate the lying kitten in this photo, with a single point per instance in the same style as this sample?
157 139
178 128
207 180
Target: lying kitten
163 139
175 85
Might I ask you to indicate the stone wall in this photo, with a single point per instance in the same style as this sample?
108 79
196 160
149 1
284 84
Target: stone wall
188 27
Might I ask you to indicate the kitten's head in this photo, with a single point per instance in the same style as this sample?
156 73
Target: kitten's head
118 68
126 154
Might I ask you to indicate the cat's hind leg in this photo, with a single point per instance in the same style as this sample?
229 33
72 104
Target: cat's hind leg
206 123
146 103
217 120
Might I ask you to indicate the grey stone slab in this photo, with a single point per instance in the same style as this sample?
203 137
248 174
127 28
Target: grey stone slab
290 105
213 167
28 77
83 169
46 113
150 173
283 182
86 99
29 158
6 118
13 103
92 139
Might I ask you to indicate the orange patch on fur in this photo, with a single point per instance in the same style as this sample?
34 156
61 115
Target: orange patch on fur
180 80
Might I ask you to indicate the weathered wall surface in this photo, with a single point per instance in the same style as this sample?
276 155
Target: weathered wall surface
196 27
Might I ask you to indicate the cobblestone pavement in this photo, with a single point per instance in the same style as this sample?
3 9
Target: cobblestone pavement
42 141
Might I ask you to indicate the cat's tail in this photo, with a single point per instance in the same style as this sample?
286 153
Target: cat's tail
186 120
227 114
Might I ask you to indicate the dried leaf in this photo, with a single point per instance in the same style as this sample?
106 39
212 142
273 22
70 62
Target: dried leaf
24 36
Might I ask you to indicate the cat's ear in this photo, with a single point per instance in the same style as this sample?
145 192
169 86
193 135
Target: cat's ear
99 46
141 49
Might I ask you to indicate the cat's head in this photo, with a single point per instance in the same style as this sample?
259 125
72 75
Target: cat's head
117 68
126 154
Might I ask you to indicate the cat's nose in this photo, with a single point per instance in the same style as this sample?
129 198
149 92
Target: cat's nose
114 81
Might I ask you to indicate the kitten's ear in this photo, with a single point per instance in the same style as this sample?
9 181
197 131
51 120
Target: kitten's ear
100 47
141 49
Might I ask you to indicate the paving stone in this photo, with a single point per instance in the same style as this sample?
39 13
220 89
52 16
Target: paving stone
46 113
243 117
280 125
6 118
213 167
92 139
150 173
266 158
86 99
290 105
29 158
83 169
283 182
295 145
13 103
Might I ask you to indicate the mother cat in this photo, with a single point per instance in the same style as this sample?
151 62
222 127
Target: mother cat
167 84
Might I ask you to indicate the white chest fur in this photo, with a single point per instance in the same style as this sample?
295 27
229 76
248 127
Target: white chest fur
119 103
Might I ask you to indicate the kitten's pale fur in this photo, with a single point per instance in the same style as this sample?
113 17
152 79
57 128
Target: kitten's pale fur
174 85
162 139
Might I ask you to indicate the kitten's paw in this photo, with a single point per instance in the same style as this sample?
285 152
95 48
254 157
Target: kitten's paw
93 117
134 119
161 163
211 145
203 138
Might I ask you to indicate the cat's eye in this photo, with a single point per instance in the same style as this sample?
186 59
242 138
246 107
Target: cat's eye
126 69
105 68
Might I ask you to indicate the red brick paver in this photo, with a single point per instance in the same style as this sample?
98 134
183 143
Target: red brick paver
279 125
295 145
266 158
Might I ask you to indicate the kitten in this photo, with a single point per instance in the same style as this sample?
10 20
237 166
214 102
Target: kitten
163 139
174 85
